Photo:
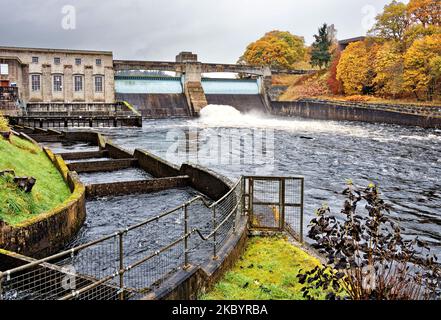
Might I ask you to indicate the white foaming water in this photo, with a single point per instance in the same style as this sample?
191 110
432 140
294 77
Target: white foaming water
227 116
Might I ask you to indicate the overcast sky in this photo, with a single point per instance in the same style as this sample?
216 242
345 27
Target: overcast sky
217 30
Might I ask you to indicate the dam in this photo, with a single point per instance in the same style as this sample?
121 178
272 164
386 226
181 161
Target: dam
160 97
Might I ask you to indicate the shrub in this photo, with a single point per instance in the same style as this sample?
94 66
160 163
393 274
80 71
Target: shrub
4 125
367 257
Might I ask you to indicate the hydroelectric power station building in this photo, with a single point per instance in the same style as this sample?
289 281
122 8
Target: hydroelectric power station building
56 75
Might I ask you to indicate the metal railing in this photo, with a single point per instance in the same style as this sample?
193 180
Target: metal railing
114 268
78 109
8 93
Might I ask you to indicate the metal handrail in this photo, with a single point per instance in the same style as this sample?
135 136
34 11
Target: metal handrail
120 232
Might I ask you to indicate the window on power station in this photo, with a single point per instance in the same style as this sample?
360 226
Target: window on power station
4 69
78 83
98 84
58 83
35 82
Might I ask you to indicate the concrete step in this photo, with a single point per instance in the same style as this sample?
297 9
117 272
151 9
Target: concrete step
84 155
133 187
100 166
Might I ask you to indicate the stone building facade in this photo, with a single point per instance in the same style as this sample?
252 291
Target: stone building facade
55 75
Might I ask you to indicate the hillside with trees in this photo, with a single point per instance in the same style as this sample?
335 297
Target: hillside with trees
399 59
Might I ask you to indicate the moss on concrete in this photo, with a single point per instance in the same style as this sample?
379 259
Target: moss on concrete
27 159
267 271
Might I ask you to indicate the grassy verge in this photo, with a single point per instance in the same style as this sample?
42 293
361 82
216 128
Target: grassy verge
27 160
266 271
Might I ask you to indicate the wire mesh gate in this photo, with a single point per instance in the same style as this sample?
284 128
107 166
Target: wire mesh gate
275 203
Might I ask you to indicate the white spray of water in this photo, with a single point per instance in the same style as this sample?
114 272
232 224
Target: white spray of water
228 116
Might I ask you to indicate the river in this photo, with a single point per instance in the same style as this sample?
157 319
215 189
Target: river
404 161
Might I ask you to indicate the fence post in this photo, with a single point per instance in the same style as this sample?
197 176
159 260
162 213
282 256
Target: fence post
243 194
214 234
1 285
302 191
186 264
282 204
121 265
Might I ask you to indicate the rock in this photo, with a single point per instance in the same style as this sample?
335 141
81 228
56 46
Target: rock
25 183
7 172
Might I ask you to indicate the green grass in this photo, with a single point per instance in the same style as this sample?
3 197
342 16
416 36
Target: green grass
266 271
27 159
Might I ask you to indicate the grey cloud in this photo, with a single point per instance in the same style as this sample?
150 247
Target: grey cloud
217 31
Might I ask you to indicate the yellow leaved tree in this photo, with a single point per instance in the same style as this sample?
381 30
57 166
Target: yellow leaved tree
426 12
422 74
388 67
355 67
277 49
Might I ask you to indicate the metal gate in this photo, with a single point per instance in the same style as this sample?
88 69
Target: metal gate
275 203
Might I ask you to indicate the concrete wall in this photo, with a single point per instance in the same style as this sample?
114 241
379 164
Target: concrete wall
131 187
334 111
242 102
157 105
206 181
48 233
155 165
88 136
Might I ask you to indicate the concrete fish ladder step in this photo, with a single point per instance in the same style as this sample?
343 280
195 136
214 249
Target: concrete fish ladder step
84 155
133 187
99 166
47 137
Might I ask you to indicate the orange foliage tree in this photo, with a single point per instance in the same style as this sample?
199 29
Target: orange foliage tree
334 85
426 12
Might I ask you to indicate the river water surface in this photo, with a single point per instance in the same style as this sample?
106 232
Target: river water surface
404 161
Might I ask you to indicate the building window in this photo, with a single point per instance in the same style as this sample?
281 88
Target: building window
78 61
4 69
98 62
34 59
57 60
98 84
58 83
35 81
78 83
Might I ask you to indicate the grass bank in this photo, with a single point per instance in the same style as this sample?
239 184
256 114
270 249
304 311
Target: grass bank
28 160
266 271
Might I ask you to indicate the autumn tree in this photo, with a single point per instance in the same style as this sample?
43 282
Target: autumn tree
426 12
392 23
422 67
334 85
277 49
388 68
355 69
320 52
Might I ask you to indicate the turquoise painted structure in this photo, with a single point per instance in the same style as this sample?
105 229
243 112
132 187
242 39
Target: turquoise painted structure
174 85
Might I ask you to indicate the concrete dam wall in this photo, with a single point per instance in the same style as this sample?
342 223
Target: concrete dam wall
157 105
161 97
242 102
